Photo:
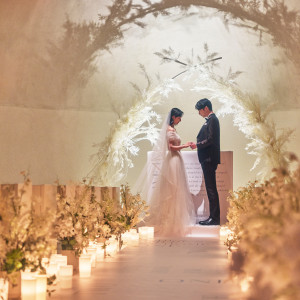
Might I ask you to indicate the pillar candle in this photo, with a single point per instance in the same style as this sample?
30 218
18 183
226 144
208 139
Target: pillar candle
65 276
28 286
85 265
41 287
92 251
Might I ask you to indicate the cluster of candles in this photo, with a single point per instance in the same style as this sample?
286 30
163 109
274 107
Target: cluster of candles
95 252
34 286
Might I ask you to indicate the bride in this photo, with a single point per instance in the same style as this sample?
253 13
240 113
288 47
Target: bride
171 205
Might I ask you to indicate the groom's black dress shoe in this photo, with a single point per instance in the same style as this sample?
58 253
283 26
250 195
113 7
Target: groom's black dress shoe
204 221
209 221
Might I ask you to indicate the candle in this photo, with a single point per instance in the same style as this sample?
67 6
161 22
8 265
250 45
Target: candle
146 232
100 252
52 269
28 285
65 276
134 236
41 287
225 233
92 251
3 289
126 236
130 237
45 262
85 265
112 247
59 259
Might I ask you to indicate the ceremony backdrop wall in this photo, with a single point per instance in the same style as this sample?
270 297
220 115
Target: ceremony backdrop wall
50 131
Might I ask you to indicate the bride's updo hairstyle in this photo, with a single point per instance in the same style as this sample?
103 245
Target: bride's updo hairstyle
176 112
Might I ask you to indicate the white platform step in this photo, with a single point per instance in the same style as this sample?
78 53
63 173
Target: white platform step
204 231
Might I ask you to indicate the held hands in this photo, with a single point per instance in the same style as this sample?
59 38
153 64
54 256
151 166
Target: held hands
192 145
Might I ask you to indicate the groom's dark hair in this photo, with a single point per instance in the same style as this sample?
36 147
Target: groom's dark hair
202 103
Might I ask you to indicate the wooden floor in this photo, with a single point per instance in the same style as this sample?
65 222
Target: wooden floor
194 267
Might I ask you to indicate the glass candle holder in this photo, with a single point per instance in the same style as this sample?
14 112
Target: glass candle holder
65 275
41 287
93 252
146 232
85 266
100 252
28 286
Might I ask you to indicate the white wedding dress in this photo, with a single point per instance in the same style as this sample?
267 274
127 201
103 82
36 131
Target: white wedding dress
171 205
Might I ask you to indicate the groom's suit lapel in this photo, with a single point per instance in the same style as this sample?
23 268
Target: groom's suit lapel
206 123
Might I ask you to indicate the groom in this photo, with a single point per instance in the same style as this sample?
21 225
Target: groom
208 148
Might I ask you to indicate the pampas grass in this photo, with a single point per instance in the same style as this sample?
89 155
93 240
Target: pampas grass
114 155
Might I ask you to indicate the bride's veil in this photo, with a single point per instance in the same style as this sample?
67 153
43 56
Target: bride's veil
151 171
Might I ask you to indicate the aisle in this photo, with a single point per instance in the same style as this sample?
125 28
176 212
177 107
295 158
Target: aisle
187 268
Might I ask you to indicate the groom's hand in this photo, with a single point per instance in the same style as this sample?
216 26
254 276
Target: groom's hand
193 145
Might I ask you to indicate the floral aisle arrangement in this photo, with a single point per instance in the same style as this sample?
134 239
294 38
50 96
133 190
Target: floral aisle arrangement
133 208
25 235
76 219
265 223
119 216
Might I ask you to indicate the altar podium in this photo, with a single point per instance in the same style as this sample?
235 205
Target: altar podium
224 176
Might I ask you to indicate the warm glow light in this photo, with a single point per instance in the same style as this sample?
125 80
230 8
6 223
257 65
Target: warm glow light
130 237
146 232
93 252
41 287
45 262
100 252
52 269
65 276
245 283
224 231
28 285
3 289
60 259
85 265
112 247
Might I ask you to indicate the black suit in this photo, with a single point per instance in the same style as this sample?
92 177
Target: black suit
208 148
